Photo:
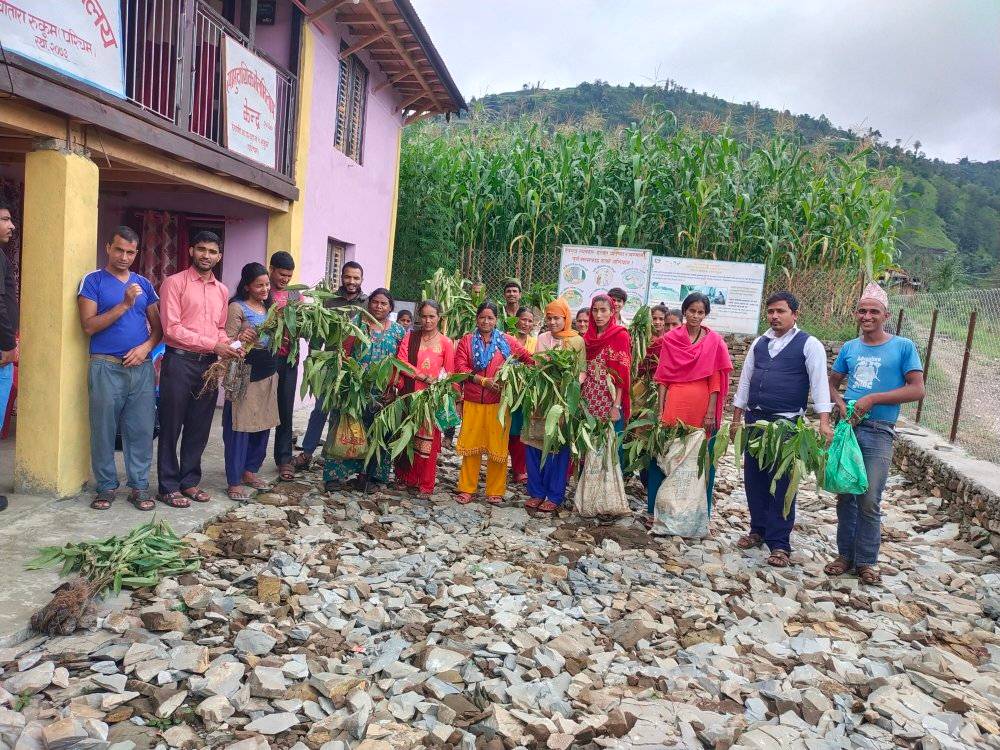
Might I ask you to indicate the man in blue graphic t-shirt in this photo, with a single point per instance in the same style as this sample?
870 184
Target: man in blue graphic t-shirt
118 310
882 372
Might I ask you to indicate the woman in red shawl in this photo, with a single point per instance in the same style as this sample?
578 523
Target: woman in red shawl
693 379
607 379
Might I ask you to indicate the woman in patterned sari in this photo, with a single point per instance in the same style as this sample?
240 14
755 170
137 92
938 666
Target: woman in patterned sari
431 354
608 378
385 336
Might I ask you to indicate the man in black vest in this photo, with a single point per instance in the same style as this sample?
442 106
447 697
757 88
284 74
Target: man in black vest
781 370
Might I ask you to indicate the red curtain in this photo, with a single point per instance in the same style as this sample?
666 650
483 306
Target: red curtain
158 245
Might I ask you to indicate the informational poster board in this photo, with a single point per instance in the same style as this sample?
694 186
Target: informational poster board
586 271
250 109
734 289
80 38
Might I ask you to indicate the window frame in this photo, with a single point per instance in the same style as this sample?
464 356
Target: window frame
352 107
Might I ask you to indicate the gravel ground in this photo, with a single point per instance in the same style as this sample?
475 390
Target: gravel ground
382 621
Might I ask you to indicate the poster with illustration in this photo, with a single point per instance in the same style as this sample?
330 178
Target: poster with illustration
586 271
733 289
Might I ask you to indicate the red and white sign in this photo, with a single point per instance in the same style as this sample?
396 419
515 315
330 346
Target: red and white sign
81 38
251 103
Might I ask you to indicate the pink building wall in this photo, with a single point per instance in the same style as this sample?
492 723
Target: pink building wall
344 200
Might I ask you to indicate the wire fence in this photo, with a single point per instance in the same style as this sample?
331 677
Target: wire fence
958 336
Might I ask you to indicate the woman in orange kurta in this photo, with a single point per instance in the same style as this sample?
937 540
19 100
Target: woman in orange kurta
692 377
432 354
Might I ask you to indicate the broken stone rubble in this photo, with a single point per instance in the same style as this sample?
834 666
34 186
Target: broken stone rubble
385 622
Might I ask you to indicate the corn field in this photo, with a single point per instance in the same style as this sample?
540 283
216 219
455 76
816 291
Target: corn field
474 193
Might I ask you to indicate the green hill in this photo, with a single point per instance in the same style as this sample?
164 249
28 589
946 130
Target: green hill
949 209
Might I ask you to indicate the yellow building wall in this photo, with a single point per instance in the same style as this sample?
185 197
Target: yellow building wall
52 453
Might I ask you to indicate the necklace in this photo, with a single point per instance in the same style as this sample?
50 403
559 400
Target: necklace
696 337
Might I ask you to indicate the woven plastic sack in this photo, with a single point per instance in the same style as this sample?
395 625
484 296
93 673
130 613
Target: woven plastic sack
601 489
682 500
845 466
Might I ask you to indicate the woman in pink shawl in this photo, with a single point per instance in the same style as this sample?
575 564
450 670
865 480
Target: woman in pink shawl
693 380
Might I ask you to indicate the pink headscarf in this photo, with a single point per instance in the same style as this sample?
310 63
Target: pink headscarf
683 362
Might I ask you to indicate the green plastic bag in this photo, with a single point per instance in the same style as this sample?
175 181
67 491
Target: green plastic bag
447 416
845 466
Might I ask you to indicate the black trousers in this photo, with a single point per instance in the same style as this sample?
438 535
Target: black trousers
288 376
184 417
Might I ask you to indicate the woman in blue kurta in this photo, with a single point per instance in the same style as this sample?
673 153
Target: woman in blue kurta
385 336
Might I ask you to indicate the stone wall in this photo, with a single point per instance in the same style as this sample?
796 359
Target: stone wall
739 344
969 488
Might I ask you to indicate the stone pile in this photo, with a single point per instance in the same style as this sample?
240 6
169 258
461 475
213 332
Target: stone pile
382 622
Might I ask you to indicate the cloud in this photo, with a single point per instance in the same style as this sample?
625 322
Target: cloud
917 70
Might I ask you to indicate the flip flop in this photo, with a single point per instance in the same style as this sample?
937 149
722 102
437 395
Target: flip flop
240 496
286 473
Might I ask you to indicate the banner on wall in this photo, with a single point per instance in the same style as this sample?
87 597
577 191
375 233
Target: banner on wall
734 289
80 38
585 271
250 103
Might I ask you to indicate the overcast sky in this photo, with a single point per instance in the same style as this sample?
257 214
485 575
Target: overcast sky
926 70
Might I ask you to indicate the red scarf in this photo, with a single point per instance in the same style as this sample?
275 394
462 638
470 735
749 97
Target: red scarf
683 362
618 358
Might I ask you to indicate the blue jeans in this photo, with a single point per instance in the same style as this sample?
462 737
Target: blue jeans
314 430
122 396
859 518
6 383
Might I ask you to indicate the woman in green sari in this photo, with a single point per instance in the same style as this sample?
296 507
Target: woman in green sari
385 336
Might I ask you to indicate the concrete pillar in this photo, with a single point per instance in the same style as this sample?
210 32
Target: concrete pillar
284 228
52 452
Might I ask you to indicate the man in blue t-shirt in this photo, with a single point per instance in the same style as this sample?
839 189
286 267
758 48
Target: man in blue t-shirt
882 372
118 310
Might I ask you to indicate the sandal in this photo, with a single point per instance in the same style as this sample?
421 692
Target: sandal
778 559
520 478
175 500
140 500
286 473
750 541
463 498
240 495
103 500
257 483
302 461
838 567
868 574
548 507
494 500
532 502
197 494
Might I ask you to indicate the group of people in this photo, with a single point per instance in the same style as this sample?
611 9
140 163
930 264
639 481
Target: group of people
688 367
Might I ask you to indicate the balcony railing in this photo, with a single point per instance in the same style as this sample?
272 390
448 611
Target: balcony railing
173 69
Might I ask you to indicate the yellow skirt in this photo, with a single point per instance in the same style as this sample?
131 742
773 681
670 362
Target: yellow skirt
482 432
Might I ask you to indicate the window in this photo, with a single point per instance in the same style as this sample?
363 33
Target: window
352 97
336 253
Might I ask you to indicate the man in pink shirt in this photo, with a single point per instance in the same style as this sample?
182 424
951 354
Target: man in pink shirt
193 306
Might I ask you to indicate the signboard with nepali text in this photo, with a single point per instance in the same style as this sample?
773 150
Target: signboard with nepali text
79 38
586 271
250 103
733 289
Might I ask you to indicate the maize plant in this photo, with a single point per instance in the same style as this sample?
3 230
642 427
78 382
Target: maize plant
478 190
459 299
641 332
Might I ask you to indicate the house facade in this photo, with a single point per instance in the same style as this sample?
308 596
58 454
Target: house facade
274 123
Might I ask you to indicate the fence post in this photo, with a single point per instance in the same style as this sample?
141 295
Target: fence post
927 361
961 380
899 322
